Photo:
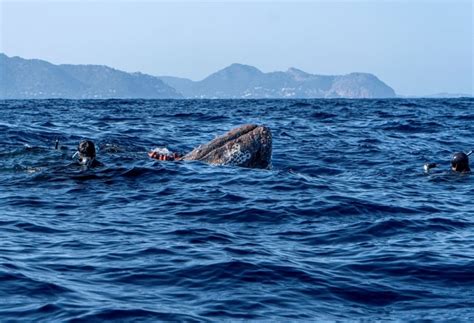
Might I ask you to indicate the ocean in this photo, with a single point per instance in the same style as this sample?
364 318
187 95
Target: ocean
346 225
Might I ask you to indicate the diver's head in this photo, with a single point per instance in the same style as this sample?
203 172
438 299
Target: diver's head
460 162
86 152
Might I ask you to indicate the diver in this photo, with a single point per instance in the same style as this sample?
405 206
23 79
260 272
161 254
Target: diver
248 146
86 154
459 163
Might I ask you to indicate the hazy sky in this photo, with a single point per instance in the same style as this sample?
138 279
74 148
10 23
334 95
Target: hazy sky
417 47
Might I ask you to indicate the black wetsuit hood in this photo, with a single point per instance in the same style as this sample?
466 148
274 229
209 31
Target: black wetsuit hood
460 162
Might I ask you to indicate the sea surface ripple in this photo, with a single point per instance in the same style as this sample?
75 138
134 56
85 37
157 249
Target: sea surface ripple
345 226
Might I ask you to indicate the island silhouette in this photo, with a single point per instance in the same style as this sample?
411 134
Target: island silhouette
38 79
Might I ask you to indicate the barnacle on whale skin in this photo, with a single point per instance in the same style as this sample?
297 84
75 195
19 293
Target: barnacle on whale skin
246 146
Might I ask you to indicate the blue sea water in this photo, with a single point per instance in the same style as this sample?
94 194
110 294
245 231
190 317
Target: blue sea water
345 226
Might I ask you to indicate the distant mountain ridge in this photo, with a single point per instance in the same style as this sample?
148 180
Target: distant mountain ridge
37 79
245 81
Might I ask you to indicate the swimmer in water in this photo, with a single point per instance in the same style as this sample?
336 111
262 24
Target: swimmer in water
86 154
246 146
459 163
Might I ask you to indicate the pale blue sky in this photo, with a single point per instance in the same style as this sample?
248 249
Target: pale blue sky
417 47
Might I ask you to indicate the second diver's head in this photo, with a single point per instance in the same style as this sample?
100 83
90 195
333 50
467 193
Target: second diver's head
460 162
86 152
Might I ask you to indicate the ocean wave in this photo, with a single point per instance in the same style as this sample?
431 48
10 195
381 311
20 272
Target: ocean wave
344 226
